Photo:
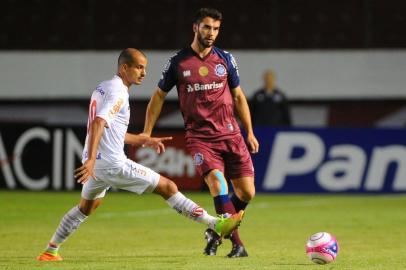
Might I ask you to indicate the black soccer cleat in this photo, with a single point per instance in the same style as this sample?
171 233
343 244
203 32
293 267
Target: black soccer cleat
213 241
237 251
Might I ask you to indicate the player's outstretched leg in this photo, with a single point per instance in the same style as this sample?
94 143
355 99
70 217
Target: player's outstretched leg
68 225
226 224
222 225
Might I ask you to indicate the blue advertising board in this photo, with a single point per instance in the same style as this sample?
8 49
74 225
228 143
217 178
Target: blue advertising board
340 160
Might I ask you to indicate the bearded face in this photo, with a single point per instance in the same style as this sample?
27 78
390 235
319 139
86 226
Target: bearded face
206 32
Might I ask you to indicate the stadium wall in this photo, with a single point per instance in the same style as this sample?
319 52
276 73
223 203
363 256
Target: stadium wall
323 160
344 74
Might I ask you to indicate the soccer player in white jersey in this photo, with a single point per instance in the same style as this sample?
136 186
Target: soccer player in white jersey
105 163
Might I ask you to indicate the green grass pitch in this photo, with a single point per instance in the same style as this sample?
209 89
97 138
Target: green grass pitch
142 232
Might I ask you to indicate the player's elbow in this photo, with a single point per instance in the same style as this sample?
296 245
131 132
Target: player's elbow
160 94
238 99
157 100
99 122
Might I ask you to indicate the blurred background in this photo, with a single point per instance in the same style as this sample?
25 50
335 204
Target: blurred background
325 80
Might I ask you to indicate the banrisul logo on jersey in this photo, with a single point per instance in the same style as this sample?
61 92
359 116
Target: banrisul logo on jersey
204 87
331 160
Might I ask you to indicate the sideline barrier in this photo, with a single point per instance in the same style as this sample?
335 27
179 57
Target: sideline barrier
336 160
331 160
38 157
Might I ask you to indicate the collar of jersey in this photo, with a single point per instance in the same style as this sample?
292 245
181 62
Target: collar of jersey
121 80
198 56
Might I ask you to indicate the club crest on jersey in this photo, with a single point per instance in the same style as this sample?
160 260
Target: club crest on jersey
220 70
203 71
198 159
116 108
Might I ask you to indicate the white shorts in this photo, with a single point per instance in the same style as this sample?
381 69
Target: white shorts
132 177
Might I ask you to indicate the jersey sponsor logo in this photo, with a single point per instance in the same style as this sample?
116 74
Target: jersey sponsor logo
139 171
203 87
86 155
198 159
220 70
261 97
100 90
234 63
277 97
186 73
116 107
203 71
167 65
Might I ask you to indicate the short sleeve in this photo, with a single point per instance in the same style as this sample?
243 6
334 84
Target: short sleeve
233 75
110 106
168 78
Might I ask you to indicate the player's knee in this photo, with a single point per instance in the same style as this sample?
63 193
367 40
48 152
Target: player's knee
96 205
172 187
86 209
246 195
88 206
250 195
216 182
166 187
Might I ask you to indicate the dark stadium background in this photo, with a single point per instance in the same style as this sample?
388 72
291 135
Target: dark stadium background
75 26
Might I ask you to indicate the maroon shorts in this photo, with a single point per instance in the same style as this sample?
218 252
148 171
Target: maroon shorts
230 156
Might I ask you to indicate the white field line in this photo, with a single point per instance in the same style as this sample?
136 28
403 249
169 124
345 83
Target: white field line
261 205
140 213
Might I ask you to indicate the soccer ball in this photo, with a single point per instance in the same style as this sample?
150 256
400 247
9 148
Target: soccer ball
322 248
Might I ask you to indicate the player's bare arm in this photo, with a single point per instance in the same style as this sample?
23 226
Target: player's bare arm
243 111
83 173
153 110
146 141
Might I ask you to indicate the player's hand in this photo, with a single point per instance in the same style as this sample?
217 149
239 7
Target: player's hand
85 171
253 144
157 143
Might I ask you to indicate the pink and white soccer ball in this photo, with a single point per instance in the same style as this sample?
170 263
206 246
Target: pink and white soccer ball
322 248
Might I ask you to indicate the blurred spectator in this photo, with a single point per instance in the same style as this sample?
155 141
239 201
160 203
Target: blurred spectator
269 106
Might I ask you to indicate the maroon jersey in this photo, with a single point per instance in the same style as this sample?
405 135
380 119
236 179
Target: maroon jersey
203 86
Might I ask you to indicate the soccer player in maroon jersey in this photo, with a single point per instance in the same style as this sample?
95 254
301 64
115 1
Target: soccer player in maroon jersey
209 91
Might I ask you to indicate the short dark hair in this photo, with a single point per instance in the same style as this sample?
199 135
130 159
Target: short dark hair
207 12
127 56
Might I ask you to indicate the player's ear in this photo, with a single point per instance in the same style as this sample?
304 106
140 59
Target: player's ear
195 27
